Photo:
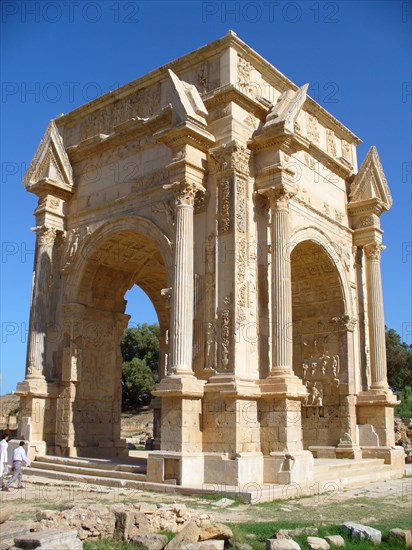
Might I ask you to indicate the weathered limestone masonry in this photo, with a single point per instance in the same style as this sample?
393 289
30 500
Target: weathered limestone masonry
235 202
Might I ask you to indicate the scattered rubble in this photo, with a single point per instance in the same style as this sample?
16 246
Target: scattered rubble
403 436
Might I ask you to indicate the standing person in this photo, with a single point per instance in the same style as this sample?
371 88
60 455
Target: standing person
19 456
4 471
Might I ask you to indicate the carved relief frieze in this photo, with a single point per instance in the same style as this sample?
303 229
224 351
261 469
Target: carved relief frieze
224 204
225 340
244 71
202 78
142 103
241 214
166 210
250 121
338 216
150 181
312 129
210 275
330 142
211 346
73 238
310 161
346 151
241 270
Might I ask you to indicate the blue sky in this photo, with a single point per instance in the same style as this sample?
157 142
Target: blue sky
56 56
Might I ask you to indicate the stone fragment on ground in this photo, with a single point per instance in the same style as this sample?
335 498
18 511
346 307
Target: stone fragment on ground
282 544
149 542
212 544
51 539
223 503
402 535
188 535
335 541
214 530
359 531
317 543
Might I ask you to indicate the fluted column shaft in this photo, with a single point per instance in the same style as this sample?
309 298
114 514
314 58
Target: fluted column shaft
183 283
281 284
377 345
36 347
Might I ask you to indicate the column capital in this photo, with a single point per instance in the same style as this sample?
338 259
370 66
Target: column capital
46 235
373 251
185 192
278 196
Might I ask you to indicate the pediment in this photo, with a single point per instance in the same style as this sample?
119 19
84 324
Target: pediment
50 162
287 108
186 101
370 182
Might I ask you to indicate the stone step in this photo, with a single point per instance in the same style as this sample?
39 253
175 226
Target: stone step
348 466
90 478
86 471
135 465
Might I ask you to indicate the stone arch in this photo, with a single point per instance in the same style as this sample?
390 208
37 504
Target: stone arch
322 354
110 261
324 241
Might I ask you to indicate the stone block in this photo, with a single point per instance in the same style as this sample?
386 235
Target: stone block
188 535
214 530
149 542
335 541
317 543
211 544
359 531
282 544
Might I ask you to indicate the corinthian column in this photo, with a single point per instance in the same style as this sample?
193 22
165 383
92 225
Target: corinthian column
376 317
36 348
281 283
183 285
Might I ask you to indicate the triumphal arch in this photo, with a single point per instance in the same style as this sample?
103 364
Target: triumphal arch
235 202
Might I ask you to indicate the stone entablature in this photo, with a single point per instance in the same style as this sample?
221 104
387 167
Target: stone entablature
234 200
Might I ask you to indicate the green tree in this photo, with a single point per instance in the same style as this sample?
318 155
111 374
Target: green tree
399 360
140 352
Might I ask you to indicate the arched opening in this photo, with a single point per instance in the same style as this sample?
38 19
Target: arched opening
320 356
140 349
112 264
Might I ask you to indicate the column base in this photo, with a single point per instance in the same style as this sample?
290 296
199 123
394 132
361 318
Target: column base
376 407
287 386
286 468
177 385
176 468
233 470
33 386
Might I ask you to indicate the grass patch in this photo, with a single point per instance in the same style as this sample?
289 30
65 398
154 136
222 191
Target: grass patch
262 531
